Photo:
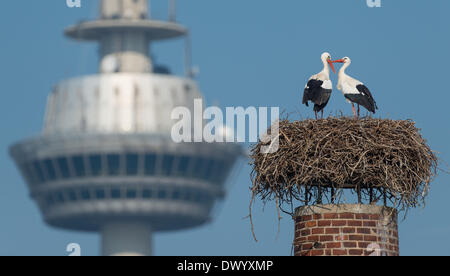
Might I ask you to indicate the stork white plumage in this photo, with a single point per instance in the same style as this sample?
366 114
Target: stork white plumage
319 87
354 90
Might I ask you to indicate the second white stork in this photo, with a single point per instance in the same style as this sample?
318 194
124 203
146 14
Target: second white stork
319 87
354 90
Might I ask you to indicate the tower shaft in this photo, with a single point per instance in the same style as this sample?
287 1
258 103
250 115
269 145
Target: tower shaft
126 239
124 51
124 9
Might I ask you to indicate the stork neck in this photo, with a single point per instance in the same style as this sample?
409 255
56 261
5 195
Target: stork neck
343 68
326 68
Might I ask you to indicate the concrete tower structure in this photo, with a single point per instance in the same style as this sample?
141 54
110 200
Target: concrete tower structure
105 161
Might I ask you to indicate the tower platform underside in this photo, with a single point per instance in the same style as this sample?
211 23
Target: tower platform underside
153 29
82 182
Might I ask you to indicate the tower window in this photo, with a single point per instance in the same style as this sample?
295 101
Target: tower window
48 165
176 194
199 167
59 197
131 193
162 194
183 165
100 194
115 193
147 193
72 195
113 164
49 200
85 194
167 164
78 164
132 164
149 164
63 166
96 164
39 172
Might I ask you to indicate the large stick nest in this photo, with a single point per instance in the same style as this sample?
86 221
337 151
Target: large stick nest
317 160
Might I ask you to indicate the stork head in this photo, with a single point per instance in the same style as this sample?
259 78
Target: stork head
345 60
326 57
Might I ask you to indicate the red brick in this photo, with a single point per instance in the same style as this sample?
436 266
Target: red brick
333 245
350 244
343 234
370 238
369 223
362 216
323 223
341 237
354 223
332 231
347 216
363 245
314 238
319 252
307 246
356 237
320 245
305 232
330 216
317 231
339 223
348 230
374 216
326 238
355 252
339 252
302 239
363 231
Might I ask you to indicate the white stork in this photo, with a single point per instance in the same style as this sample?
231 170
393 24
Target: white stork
354 90
319 87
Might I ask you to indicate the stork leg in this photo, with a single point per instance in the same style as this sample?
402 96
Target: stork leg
358 111
316 114
354 113
322 114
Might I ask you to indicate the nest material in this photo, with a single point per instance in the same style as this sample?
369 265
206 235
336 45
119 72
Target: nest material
377 159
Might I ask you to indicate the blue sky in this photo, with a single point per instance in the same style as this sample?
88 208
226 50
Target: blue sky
250 53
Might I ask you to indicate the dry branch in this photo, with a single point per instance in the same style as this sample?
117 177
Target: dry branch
378 159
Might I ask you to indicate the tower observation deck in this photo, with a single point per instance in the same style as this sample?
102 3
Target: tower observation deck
105 161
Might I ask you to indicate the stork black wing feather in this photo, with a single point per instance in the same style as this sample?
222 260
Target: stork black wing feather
372 104
310 93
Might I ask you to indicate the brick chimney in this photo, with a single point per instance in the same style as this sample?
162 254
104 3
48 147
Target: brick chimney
346 230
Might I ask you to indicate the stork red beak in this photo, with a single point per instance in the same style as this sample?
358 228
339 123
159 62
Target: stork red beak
339 61
331 65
